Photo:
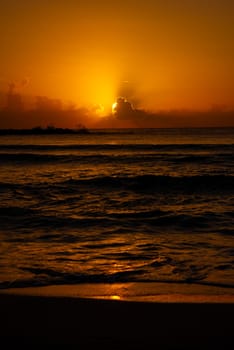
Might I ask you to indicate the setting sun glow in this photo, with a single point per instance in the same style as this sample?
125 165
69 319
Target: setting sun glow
172 57
114 105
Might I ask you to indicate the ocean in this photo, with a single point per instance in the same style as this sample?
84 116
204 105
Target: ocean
118 205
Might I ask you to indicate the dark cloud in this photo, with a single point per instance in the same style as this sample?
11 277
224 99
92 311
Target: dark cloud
17 86
128 90
122 108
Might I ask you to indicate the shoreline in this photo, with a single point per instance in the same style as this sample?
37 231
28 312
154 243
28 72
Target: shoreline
132 291
93 316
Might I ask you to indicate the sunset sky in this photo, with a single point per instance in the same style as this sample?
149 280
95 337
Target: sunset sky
169 54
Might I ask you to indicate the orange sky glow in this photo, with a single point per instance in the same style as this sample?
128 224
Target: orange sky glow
160 55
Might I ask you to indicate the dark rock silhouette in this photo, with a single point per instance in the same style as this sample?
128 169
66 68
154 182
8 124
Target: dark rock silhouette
38 130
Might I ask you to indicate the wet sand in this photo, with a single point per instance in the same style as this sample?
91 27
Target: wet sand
119 316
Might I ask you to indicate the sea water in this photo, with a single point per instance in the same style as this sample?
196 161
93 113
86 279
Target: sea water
153 205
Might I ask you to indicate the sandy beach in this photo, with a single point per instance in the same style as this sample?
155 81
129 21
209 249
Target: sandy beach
119 316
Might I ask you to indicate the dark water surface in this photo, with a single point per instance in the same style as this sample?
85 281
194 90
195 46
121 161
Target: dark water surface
117 206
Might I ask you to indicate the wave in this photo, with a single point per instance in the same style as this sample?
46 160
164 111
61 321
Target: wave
159 183
165 183
117 146
14 211
48 276
28 159
23 219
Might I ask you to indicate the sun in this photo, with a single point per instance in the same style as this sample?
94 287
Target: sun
114 106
